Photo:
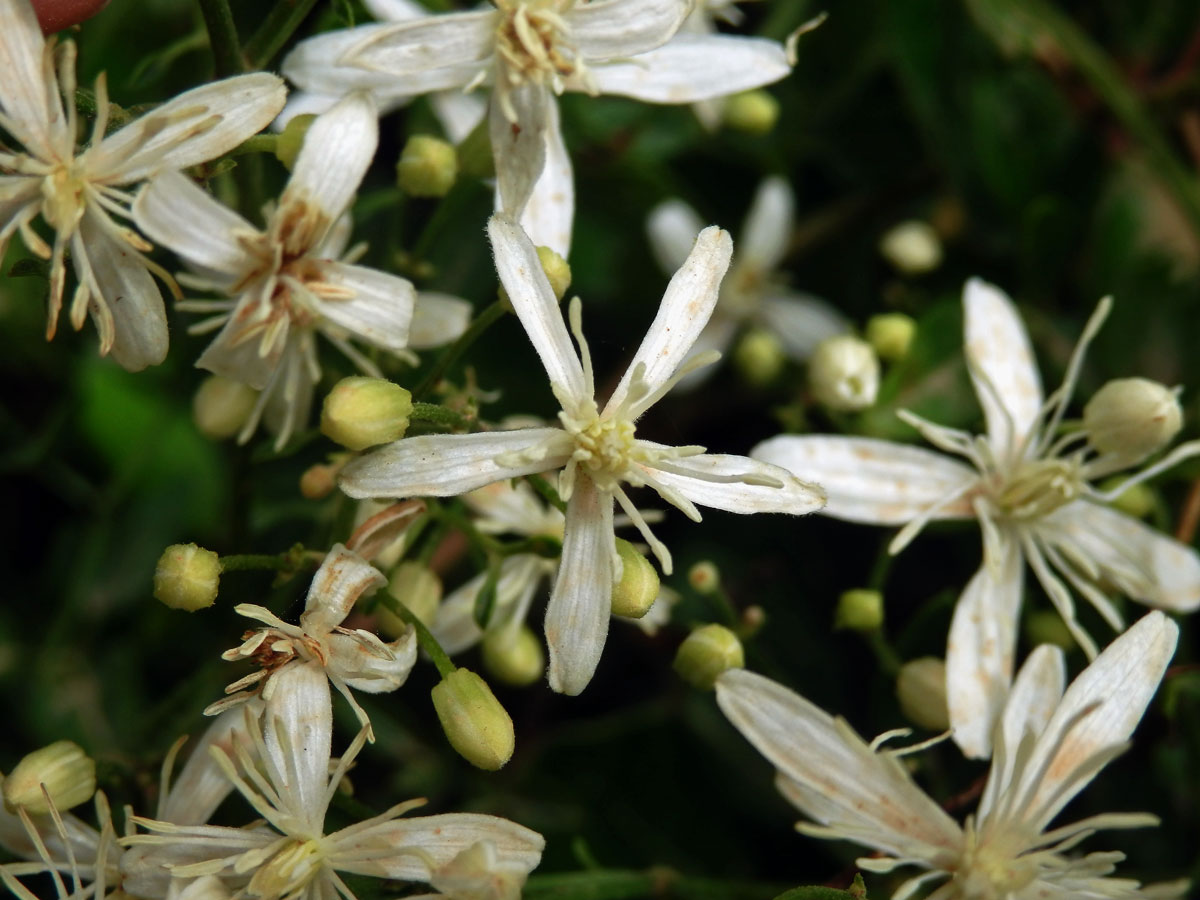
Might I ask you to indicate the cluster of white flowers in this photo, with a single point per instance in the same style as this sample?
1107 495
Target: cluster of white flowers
272 289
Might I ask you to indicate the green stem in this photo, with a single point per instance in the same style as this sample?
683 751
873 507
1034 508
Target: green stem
451 354
619 884
247 562
888 659
549 493
424 637
442 416
222 37
279 25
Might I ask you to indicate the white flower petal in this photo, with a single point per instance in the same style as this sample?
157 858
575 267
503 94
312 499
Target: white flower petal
438 319
454 624
801 322
232 356
395 10
201 785
343 577
623 28
459 113
672 227
29 90
1000 361
550 211
707 479
174 211
366 664
534 302
196 126
682 315
768 228
297 732
695 67
445 465
581 602
872 481
519 147
337 151
870 794
380 310
717 335
433 42
979 650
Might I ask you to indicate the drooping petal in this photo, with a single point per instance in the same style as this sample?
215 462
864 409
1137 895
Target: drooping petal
768 228
342 579
445 465
534 302
872 481
454 623
580 604
865 796
297 734
624 28
695 67
801 322
980 648
437 319
682 315
174 211
518 130
233 355
672 227
381 309
550 212
28 90
367 664
1000 361
739 484
201 786
337 151
432 42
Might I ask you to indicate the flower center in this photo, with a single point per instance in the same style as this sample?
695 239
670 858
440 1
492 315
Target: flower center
64 196
1038 487
533 41
604 448
287 871
992 870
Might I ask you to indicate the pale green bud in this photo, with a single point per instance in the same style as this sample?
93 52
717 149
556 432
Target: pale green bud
1046 626
844 373
428 166
891 334
291 139
514 656
705 577
913 247
1137 501
361 412
222 406
476 725
753 112
921 690
63 769
706 653
759 357
416 586
187 577
634 594
859 610
557 269
1132 417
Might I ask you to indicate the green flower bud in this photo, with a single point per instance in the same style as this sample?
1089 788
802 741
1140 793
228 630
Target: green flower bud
921 690
557 269
891 334
705 577
1132 417
1137 501
361 412
416 586
187 577
1045 626
913 247
222 406
63 769
476 725
859 610
634 594
514 656
844 373
753 112
706 653
291 139
428 166
759 357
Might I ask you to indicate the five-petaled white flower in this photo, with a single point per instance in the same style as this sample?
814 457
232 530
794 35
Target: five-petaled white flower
1028 488
595 447
76 192
1049 746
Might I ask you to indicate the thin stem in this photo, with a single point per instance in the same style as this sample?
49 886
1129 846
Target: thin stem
424 637
442 416
222 37
247 562
451 354
549 493
279 25
659 881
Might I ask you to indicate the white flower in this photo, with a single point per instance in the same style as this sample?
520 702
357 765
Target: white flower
1049 746
596 447
753 293
287 781
351 658
1028 486
76 191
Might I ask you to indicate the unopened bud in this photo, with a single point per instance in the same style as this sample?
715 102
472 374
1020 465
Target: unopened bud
67 774
706 653
1137 500
187 577
361 412
416 586
476 725
891 334
514 656
759 357
704 577
753 112
859 610
222 406
634 594
913 247
318 481
1045 626
291 139
1132 417
921 690
557 269
428 166
844 373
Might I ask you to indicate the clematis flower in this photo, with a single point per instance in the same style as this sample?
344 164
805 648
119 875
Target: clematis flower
1029 487
78 191
596 448
753 293
351 658
284 774
1049 746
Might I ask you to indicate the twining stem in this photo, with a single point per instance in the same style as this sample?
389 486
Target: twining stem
275 30
222 37
424 637
451 354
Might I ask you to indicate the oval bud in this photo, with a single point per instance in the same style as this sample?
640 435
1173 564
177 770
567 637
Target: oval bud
921 690
514 656
859 610
291 139
705 577
63 769
706 653
318 481
476 725
752 112
222 406
361 412
913 247
759 357
416 586
1132 417
634 594
428 166
557 269
187 577
844 373
891 335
